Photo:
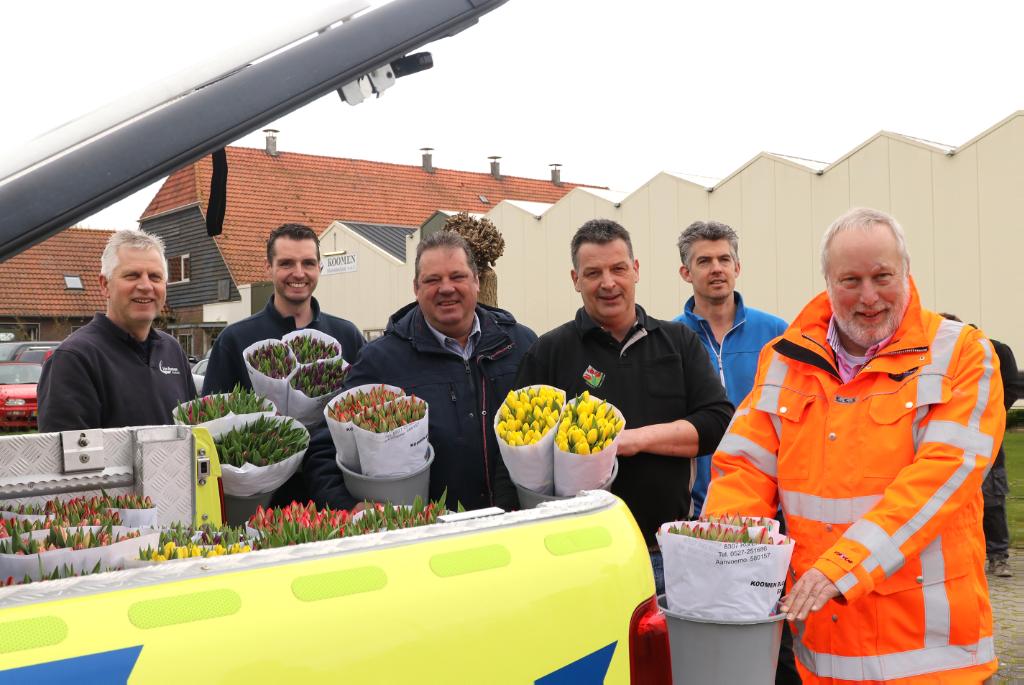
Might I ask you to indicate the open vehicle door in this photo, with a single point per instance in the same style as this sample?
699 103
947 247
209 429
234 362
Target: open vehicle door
90 163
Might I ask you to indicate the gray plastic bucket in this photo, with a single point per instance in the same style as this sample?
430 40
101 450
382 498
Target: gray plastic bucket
238 509
722 652
528 499
395 489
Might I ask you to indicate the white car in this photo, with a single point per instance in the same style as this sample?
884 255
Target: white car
199 372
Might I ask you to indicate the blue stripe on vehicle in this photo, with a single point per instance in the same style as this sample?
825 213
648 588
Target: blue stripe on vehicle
101 668
588 670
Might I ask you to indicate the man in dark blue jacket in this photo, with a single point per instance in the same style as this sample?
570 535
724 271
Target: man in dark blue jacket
293 265
459 356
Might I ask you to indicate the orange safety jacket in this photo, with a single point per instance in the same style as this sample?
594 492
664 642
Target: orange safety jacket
880 483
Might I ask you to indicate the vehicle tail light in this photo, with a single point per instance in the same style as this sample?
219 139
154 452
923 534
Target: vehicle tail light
650 661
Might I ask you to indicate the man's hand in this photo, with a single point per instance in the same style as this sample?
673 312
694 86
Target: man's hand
808 594
358 508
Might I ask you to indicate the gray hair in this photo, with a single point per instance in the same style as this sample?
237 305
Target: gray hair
132 239
448 240
707 230
863 218
600 232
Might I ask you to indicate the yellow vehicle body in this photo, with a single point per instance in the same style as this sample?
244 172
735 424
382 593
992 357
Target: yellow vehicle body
544 595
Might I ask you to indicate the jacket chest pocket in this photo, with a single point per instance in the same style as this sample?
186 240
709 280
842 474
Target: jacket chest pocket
501 373
664 382
663 377
890 440
790 417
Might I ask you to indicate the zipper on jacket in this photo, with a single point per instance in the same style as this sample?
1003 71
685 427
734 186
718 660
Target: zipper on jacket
483 425
451 391
720 352
483 411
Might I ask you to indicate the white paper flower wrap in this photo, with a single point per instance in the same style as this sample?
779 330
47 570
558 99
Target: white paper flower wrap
276 390
343 432
41 565
531 466
576 472
396 452
219 427
250 479
723 581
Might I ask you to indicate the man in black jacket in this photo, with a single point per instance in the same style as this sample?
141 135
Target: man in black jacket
459 356
996 487
657 373
118 370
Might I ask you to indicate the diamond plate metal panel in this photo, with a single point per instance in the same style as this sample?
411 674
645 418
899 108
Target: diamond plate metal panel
157 461
165 470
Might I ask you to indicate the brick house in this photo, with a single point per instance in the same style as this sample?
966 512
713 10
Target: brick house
266 188
52 288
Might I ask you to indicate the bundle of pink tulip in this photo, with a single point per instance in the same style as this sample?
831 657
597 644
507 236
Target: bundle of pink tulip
724 568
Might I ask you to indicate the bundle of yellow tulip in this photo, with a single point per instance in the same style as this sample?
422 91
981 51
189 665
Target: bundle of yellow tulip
528 414
587 426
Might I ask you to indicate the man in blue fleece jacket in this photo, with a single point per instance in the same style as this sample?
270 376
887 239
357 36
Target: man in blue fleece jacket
732 333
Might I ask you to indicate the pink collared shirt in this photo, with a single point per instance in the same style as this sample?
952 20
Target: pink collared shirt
847 364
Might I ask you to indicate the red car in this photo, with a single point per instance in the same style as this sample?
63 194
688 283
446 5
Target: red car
18 408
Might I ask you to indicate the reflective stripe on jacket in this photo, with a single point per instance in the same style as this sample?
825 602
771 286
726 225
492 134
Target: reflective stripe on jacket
879 480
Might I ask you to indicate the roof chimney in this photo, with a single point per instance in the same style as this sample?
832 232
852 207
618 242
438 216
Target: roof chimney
271 141
556 174
495 166
428 159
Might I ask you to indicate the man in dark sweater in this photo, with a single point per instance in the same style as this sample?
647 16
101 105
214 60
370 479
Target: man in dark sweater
656 372
117 370
293 264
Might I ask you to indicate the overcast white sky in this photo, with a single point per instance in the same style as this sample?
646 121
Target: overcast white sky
615 91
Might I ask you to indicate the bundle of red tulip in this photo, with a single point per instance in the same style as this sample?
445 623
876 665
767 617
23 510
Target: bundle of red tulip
391 415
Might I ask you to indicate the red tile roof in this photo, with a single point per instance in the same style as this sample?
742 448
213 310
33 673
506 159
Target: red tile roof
32 283
265 191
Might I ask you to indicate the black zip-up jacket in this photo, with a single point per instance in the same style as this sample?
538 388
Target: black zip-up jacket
659 374
462 394
226 367
102 377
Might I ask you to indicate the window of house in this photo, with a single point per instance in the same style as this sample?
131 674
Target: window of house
179 269
185 339
72 282
223 289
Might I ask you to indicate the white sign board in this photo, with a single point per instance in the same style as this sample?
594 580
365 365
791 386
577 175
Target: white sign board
339 264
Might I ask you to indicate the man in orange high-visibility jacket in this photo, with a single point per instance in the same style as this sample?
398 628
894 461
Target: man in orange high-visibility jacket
873 422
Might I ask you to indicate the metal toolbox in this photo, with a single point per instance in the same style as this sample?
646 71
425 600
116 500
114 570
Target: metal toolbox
154 461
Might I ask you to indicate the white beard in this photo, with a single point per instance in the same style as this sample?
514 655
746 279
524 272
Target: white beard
867 336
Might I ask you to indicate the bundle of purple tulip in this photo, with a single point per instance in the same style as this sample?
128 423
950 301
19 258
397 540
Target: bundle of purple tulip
299 373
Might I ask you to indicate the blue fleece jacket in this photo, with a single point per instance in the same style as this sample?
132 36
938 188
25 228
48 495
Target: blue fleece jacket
735 361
